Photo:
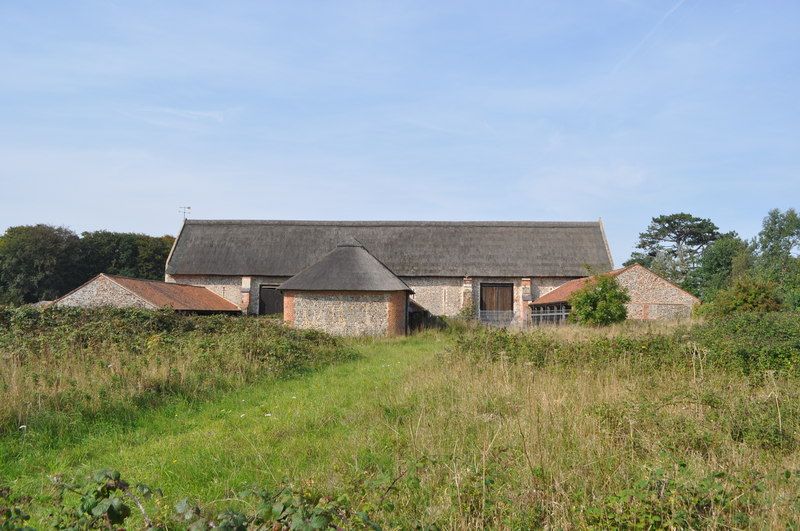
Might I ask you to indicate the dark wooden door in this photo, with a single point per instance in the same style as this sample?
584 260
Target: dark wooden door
270 300
497 297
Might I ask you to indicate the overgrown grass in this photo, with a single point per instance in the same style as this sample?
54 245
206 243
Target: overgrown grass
634 426
59 368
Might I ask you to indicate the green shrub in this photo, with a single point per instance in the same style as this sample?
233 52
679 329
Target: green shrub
61 363
746 294
676 500
601 302
106 501
752 342
745 342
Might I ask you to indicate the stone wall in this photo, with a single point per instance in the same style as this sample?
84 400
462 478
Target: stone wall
538 287
444 296
653 297
102 291
348 313
438 295
241 291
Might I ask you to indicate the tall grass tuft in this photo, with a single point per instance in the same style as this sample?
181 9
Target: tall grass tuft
61 365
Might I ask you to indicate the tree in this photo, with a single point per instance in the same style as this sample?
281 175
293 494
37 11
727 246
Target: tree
722 261
124 253
38 262
601 302
676 240
778 242
41 262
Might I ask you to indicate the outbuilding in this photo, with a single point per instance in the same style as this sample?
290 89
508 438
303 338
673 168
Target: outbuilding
347 292
651 297
124 292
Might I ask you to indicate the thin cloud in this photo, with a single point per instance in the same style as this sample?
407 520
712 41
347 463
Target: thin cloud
646 38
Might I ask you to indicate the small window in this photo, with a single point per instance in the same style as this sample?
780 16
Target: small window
270 300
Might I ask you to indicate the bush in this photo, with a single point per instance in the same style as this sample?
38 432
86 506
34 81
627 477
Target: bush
744 342
747 294
601 302
60 363
753 342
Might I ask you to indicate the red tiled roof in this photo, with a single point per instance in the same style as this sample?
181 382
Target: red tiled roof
564 291
175 296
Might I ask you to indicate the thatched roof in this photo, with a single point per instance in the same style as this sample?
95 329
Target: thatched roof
349 267
408 248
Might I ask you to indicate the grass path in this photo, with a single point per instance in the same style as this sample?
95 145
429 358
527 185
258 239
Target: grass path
317 426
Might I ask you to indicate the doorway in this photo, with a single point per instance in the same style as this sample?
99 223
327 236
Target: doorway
270 300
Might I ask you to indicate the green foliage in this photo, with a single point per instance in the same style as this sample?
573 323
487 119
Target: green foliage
106 501
779 239
42 262
101 502
123 253
38 262
601 302
66 363
674 499
752 342
744 342
676 241
723 260
13 511
746 294
569 427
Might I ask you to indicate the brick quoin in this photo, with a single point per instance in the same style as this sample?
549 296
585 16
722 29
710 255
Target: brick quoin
397 314
288 308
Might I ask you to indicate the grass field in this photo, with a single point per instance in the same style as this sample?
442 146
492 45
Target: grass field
421 431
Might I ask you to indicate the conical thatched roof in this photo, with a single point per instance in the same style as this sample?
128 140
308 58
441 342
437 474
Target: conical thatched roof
349 267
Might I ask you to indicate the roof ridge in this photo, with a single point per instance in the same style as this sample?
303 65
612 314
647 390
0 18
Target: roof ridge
390 223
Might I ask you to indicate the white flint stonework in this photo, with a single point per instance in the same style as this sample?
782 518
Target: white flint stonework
103 292
342 314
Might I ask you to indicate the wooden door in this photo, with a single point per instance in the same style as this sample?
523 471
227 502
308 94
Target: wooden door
497 297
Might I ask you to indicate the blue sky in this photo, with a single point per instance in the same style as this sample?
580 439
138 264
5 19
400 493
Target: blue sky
113 114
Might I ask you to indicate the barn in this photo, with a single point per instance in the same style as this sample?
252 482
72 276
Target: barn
124 292
651 297
491 270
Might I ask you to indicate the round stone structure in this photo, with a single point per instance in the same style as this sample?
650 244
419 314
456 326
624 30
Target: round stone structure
348 292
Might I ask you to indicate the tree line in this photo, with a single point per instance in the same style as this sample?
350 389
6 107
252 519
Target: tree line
43 262
723 268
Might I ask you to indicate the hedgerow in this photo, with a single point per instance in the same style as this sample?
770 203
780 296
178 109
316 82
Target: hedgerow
746 342
62 363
